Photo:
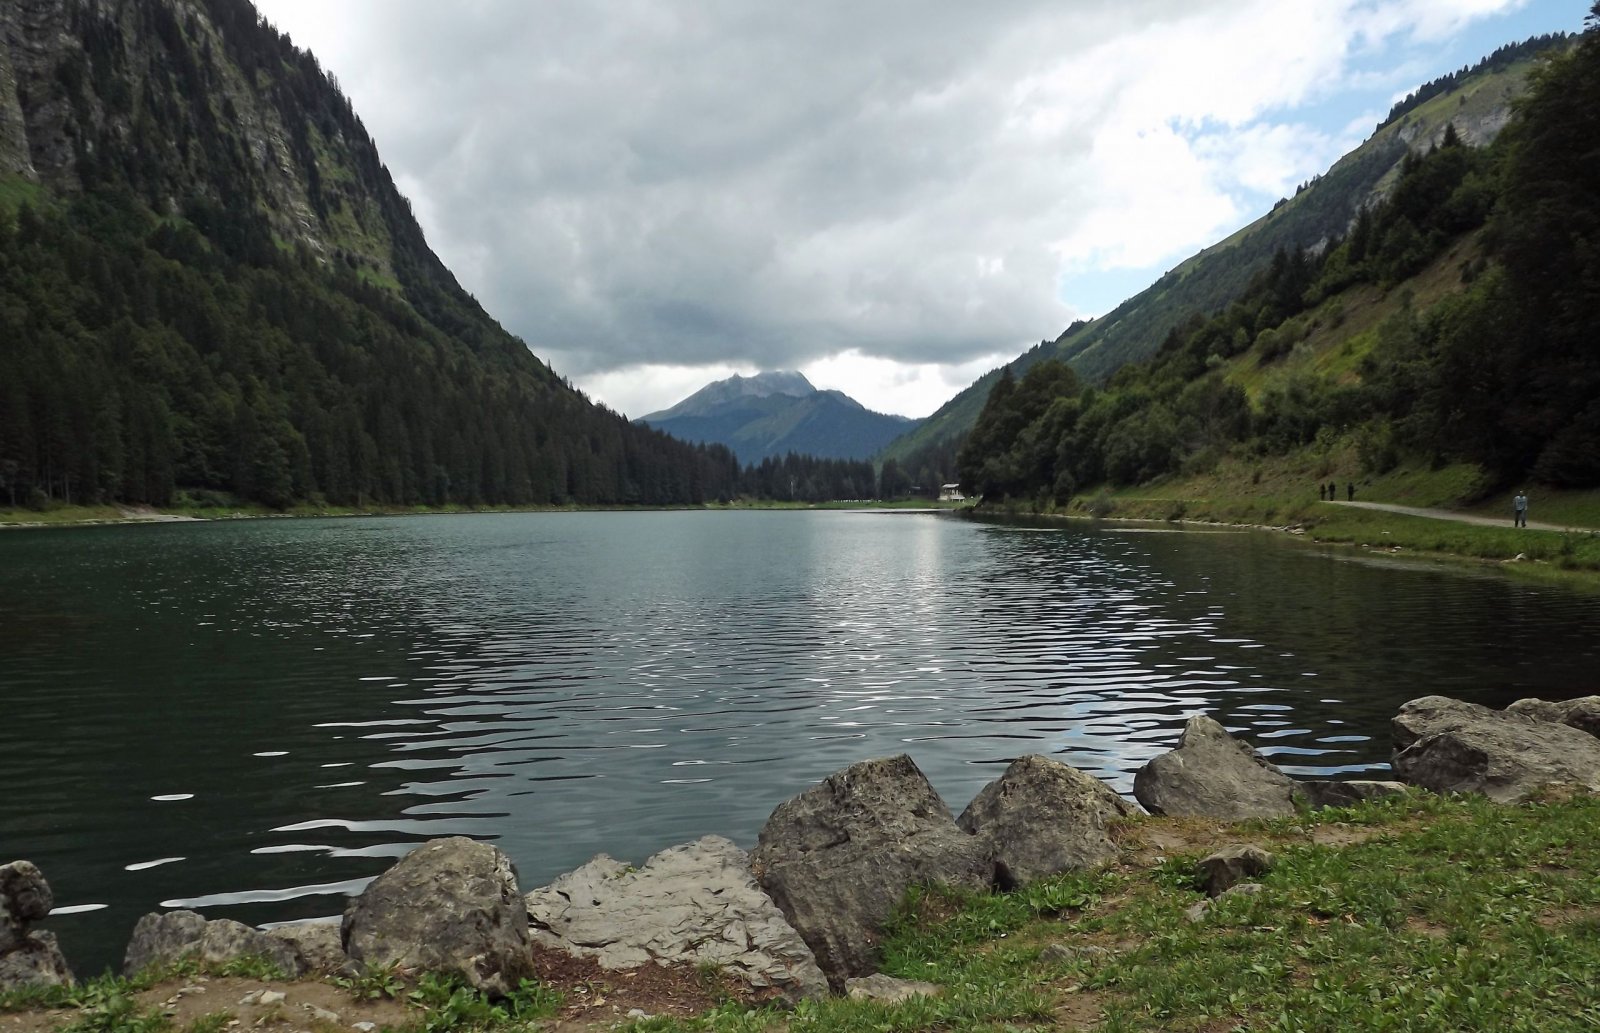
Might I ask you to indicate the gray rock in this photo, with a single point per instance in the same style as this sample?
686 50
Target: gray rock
696 903
1449 746
270 997
160 939
1230 866
1321 793
839 857
321 1014
1213 775
450 906
319 944
33 962
225 940
1582 713
25 898
888 989
1042 818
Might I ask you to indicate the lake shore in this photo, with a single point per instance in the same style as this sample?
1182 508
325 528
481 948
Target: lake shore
100 516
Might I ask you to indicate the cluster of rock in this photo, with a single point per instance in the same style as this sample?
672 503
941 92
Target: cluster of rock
804 913
28 956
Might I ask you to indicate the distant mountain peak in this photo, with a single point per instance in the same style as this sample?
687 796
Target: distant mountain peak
773 413
736 387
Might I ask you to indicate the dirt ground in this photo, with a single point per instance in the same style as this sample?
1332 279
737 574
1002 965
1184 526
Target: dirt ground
595 999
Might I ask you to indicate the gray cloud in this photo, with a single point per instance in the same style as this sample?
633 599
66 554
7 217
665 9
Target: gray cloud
627 183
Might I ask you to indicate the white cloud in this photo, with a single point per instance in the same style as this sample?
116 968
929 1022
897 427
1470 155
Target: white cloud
655 195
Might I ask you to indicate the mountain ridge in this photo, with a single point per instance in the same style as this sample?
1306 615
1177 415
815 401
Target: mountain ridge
772 414
1476 100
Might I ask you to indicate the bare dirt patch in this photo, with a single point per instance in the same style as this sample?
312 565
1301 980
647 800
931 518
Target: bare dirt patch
1343 835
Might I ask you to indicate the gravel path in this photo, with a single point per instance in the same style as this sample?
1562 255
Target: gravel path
1457 516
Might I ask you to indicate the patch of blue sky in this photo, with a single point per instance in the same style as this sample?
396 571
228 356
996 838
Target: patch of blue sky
1378 76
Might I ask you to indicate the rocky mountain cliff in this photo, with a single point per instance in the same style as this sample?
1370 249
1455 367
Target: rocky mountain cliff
211 288
773 414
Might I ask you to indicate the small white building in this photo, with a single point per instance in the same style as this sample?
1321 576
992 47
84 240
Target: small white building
951 493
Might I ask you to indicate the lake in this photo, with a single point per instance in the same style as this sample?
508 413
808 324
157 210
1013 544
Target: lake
252 718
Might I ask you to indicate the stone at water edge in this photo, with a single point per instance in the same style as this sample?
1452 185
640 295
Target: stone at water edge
1447 745
1042 818
320 947
25 898
225 940
162 939
34 962
1582 713
1213 775
693 904
838 858
1327 792
450 906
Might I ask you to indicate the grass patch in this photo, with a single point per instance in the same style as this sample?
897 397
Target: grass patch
1454 914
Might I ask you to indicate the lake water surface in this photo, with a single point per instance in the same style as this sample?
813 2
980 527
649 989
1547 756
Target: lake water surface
253 718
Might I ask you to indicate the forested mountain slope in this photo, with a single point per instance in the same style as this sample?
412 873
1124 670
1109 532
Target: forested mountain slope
209 286
1476 101
1457 322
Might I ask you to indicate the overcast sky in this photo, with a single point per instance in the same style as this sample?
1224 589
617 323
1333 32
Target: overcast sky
891 197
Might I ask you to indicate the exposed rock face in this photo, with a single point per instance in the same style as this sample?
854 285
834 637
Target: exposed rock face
1230 866
1212 775
1329 793
321 950
1582 713
27 957
1449 746
696 903
839 857
1042 818
450 906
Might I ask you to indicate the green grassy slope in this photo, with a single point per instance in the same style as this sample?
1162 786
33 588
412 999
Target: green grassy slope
1211 279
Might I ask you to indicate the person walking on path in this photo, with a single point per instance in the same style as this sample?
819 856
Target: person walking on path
1350 487
1519 510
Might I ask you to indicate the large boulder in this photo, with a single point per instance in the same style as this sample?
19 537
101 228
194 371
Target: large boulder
25 898
696 904
321 950
1582 713
35 961
1213 775
161 939
1042 818
839 857
28 958
1450 746
450 906
1217 873
225 940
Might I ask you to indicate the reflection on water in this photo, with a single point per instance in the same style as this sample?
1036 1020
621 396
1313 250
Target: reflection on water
253 718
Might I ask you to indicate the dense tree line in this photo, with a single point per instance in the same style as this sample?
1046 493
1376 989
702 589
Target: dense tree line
162 338
1504 373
